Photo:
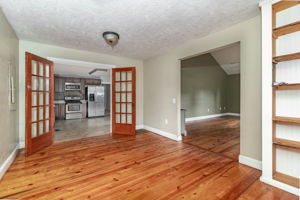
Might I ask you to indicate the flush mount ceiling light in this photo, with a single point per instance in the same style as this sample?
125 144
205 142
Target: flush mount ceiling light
111 38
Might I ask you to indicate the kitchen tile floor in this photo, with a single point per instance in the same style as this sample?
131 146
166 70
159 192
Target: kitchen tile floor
81 128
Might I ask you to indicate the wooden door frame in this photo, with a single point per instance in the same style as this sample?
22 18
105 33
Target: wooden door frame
133 69
28 105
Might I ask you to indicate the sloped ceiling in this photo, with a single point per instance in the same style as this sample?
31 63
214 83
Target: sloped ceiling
146 27
228 58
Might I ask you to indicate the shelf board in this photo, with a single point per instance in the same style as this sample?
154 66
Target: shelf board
282 5
288 57
294 86
290 180
287 143
287 29
287 120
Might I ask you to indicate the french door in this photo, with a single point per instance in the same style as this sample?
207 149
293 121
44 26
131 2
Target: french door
39 103
123 101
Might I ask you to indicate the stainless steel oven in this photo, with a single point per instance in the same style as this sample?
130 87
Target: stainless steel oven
73 108
72 86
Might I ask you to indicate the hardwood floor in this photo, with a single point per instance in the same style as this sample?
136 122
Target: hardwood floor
143 167
220 135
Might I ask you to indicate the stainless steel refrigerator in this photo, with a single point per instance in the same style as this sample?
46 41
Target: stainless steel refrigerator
95 101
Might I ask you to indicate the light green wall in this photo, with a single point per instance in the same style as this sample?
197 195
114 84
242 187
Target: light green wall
162 82
233 93
203 86
8 118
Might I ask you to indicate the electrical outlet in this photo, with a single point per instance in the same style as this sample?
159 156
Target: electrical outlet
166 121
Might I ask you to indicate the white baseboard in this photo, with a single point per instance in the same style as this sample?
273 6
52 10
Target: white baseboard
137 127
4 167
250 162
163 133
234 114
280 185
210 116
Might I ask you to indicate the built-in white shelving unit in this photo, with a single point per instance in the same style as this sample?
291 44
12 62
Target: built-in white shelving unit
281 94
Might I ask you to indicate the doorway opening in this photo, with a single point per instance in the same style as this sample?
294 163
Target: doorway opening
82 99
210 100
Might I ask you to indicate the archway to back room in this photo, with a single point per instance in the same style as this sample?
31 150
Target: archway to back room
210 100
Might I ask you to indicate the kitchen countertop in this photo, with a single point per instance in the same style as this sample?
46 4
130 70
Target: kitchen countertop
63 101
59 102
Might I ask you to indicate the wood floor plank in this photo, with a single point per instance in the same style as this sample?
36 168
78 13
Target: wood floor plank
146 166
220 135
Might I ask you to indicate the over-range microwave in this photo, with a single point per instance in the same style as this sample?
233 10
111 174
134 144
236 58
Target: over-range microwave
72 86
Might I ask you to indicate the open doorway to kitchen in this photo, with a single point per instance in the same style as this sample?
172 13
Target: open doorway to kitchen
82 99
210 100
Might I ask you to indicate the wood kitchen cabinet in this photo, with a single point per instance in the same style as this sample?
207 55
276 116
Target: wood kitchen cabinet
59 84
84 110
71 80
92 81
60 112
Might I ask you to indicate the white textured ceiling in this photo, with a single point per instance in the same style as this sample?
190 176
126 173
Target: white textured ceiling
228 58
146 27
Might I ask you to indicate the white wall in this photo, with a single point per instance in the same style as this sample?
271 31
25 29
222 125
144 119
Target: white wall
45 51
8 118
162 82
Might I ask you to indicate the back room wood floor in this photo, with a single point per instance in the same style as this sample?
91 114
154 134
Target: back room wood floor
220 135
143 167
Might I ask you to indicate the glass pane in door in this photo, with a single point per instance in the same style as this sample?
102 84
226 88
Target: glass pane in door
41 113
118 78
117 97
129 108
41 84
123 119
123 75
117 108
41 128
47 113
123 97
34 114
129 97
34 98
118 87
41 98
34 67
123 87
47 96
47 73
33 130
118 118
129 76
47 84
129 86
129 119
34 83
41 72
123 108
47 126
